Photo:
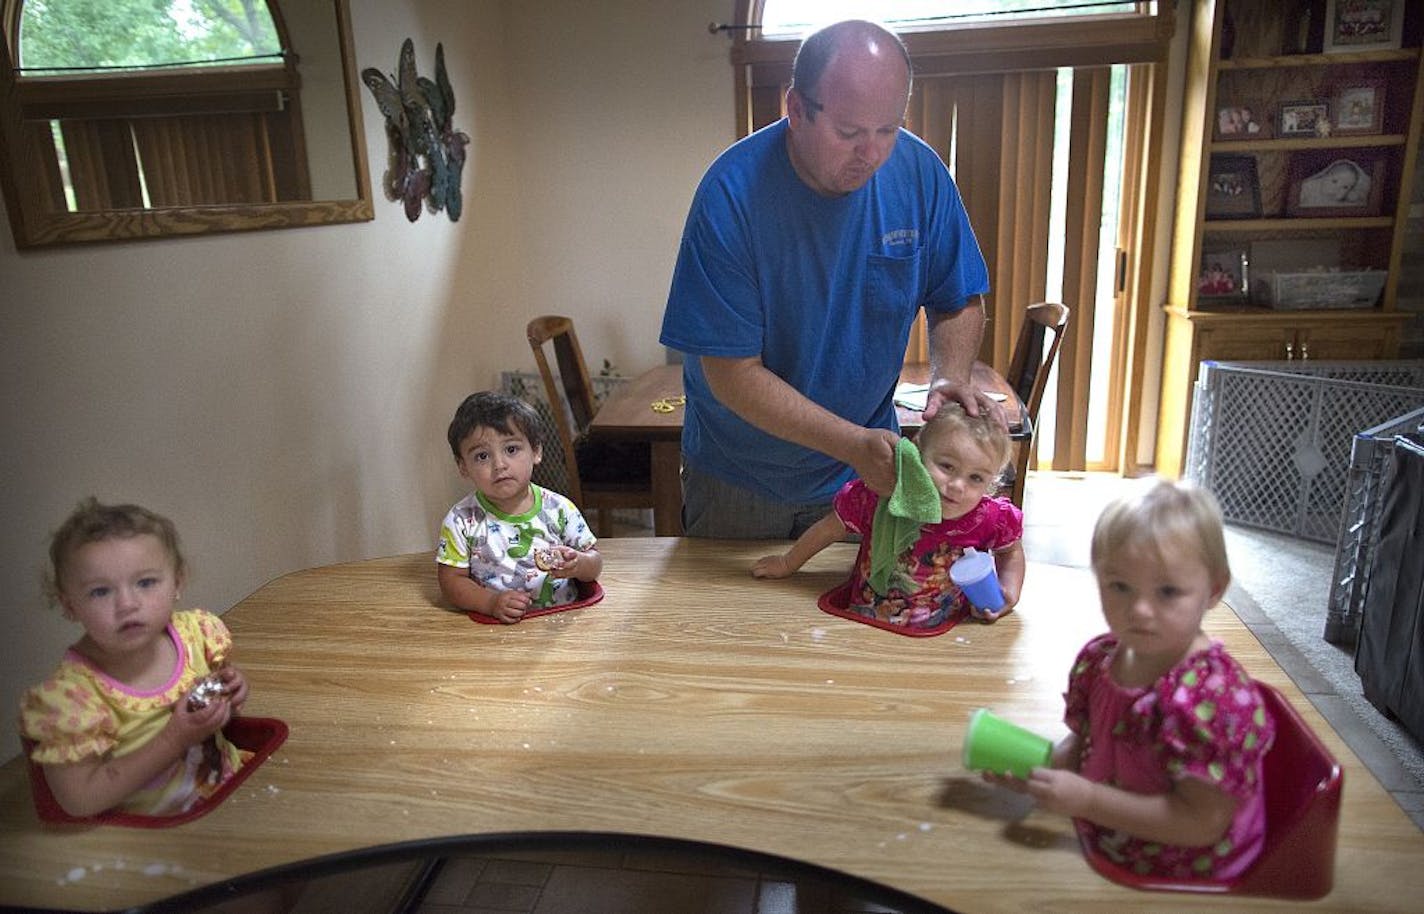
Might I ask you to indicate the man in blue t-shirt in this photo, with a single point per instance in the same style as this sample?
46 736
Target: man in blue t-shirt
809 250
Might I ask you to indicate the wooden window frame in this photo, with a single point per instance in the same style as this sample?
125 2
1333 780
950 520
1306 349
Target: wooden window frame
262 100
763 65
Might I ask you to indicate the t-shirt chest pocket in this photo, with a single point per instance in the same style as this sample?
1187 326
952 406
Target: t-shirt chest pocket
892 284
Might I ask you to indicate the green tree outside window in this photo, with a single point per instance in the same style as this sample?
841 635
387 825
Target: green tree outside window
108 34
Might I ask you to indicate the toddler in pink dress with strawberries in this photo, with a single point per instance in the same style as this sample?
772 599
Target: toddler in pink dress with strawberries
963 456
1162 769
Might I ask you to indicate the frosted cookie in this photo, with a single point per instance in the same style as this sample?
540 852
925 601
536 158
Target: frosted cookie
204 692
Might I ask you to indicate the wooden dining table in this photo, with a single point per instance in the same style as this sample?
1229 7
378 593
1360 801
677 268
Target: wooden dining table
693 702
651 406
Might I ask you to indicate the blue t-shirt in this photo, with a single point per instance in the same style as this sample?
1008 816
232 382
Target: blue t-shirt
824 289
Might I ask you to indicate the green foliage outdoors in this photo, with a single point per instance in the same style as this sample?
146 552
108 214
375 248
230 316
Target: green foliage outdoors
129 33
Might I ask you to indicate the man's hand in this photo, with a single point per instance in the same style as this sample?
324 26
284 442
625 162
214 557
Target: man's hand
874 460
974 401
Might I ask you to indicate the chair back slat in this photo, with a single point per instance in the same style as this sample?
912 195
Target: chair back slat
542 330
573 372
603 475
1032 356
1029 368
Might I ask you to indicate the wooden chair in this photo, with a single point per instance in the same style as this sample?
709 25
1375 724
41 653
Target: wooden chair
1028 372
603 474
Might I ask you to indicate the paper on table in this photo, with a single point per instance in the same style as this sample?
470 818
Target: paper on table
913 396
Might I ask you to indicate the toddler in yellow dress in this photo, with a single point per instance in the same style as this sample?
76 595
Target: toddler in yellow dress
118 725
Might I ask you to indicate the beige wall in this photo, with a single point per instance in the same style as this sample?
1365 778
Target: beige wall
283 395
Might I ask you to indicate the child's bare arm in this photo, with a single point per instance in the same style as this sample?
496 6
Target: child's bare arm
818 536
1068 753
463 593
234 683
581 566
1191 814
93 786
1010 564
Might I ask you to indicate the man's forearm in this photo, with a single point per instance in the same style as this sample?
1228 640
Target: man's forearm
954 340
749 389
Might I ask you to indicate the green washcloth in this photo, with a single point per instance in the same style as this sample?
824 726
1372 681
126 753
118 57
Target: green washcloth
897 522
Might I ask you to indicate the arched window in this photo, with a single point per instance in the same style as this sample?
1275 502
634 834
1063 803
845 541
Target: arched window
99 36
131 104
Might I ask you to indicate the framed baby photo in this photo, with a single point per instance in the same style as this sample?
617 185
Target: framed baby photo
1241 122
1336 182
1222 275
1359 107
1303 118
1363 25
1233 189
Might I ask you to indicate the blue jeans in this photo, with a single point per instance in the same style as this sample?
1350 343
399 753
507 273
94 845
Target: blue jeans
719 510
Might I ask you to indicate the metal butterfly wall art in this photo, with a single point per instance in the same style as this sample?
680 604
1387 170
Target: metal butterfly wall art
427 154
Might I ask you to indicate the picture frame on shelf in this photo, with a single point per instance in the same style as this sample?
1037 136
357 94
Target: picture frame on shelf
1233 188
1336 182
1241 122
1359 107
1303 118
1223 276
1363 25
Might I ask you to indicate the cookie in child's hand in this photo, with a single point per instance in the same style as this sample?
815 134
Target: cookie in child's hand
548 559
205 692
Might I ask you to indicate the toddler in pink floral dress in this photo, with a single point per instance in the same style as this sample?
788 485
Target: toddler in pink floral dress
1162 768
964 456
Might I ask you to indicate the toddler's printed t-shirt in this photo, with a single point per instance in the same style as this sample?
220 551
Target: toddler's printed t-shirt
500 550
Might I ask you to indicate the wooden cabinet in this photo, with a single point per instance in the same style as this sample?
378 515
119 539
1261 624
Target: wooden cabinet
1197 336
1270 107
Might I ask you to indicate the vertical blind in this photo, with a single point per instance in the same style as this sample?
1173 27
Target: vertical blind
996 132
